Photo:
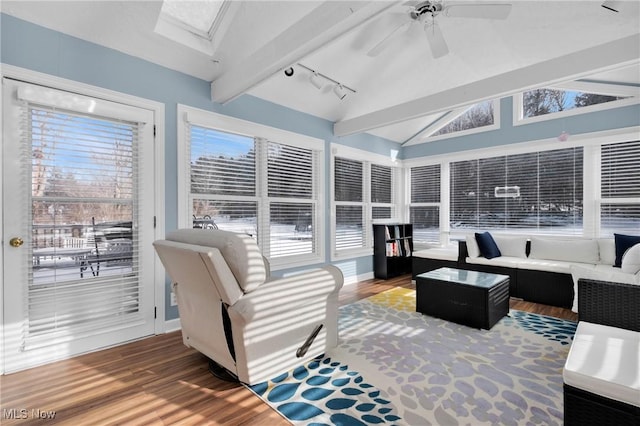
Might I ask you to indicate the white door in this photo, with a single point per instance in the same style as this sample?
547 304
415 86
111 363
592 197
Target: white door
78 224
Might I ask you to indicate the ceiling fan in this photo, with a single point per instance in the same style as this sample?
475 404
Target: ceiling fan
423 14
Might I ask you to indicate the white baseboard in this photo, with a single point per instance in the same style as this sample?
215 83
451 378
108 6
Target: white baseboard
172 325
354 279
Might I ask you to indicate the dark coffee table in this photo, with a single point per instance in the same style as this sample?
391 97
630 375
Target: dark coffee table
475 299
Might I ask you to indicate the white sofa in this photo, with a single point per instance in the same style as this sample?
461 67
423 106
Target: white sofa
231 310
602 372
542 269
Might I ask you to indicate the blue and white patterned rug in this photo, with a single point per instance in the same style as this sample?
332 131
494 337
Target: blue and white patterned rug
396 366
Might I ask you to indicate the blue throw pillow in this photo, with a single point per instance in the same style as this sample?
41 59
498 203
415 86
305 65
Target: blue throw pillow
623 243
487 245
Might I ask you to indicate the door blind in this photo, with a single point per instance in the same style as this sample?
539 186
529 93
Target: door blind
84 244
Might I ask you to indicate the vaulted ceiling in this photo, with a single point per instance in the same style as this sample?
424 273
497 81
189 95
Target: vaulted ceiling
394 93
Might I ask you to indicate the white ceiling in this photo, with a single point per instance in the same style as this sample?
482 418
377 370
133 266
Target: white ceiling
398 92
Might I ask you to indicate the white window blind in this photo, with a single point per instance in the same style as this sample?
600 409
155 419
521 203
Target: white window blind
620 188
424 208
381 184
381 190
291 189
255 186
84 203
348 194
539 191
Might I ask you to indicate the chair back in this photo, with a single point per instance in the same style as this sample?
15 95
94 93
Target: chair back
240 252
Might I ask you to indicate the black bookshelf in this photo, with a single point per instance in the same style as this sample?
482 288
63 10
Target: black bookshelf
392 248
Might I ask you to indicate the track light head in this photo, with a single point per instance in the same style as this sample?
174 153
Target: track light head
288 71
612 5
339 91
316 80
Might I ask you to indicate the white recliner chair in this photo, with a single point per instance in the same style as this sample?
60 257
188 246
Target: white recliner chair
231 310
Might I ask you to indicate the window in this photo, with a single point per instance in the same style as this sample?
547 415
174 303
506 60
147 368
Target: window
223 180
424 210
348 190
381 192
195 24
242 180
363 192
548 101
620 188
479 115
579 97
539 191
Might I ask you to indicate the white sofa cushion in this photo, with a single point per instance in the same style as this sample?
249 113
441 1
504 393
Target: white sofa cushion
472 246
599 273
559 266
607 248
604 360
439 253
631 260
502 261
511 245
576 250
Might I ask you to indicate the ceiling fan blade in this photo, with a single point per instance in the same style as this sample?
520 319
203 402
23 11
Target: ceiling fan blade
483 11
436 40
378 48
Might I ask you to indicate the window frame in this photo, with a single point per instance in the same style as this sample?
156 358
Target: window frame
438 124
503 161
601 200
441 204
367 159
223 123
518 110
591 143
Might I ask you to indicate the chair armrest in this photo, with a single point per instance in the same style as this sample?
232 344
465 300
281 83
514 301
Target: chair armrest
609 303
285 295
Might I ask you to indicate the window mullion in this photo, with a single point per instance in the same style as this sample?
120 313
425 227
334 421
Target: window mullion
262 195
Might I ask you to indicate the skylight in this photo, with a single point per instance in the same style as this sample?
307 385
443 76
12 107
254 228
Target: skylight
199 15
197 24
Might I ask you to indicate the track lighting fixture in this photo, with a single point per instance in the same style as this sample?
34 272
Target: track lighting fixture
318 80
288 71
339 91
612 5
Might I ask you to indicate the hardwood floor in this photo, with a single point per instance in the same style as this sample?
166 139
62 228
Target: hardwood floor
156 381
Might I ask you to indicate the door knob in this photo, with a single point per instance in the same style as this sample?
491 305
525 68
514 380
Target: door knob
16 242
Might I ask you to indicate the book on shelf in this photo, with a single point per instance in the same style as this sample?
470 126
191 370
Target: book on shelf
398 248
407 247
393 249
